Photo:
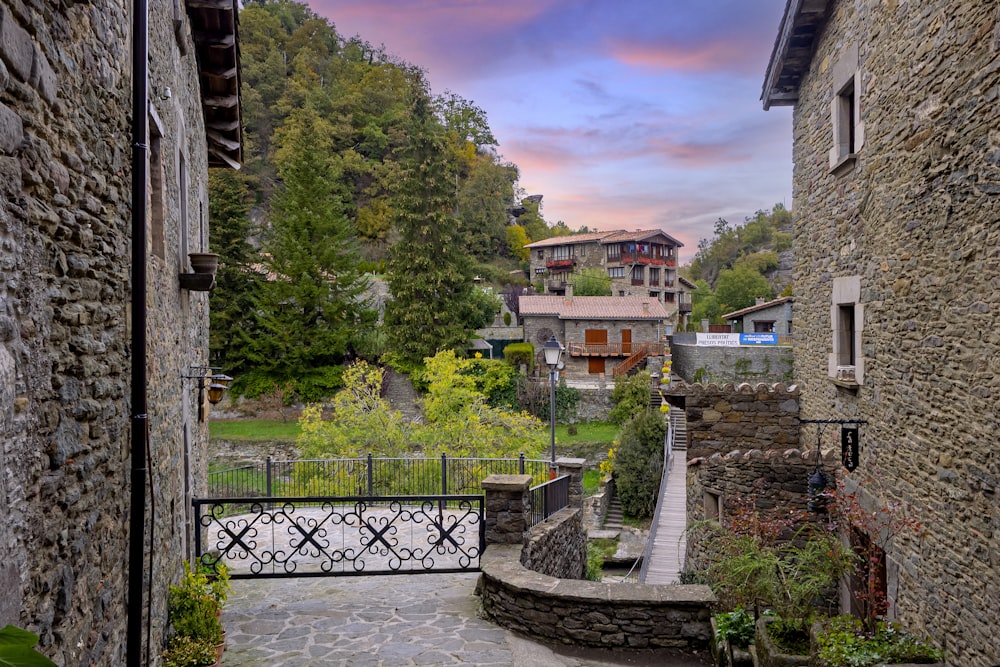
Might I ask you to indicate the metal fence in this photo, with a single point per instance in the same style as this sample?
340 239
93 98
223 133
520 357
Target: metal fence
331 536
368 476
549 498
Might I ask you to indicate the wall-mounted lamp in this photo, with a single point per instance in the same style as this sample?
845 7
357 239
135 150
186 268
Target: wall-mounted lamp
213 385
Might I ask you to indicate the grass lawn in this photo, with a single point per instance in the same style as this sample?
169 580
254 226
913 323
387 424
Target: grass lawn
253 429
591 482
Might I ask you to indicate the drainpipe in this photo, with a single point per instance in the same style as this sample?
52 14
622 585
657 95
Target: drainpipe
139 418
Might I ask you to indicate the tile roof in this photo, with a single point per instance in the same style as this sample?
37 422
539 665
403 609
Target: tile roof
760 306
589 237
613 236
594 307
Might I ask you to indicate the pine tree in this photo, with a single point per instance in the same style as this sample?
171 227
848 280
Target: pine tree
435 304
312 300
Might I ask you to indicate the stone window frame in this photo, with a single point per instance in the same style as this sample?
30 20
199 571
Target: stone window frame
847 317
845 112
541 253
156 198
712 505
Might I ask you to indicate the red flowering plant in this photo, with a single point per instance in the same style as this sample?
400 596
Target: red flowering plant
871 528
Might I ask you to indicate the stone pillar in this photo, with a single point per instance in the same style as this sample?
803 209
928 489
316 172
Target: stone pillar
508 508
573 468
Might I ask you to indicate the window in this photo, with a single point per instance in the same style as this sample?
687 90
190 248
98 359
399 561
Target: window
562 252
846 361
712 505
157 189
616 272
654 276
655 295
583 251
638 275
614 252
845 111
541 254
763 326
668 297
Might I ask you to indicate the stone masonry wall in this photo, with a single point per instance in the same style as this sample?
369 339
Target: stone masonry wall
915 220
65 153
722 419
589 613
749 363
557 547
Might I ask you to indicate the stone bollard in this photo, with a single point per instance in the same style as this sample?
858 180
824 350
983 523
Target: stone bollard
508 508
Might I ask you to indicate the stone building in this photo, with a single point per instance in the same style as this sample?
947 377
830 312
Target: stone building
637 263
603 336
774 316
66 216
896 203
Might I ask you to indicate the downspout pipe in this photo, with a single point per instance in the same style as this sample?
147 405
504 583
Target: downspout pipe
138 407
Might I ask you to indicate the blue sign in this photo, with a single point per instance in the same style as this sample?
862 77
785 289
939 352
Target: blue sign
758 339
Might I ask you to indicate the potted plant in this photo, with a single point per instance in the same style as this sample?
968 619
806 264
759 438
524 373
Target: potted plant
734 633
204 266
194 609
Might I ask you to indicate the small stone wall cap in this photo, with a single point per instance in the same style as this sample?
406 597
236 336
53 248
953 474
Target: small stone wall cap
507 482
570 462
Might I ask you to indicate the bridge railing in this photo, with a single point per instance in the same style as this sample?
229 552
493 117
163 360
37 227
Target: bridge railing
548 498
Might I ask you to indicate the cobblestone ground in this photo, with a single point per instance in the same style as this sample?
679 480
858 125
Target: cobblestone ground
403 620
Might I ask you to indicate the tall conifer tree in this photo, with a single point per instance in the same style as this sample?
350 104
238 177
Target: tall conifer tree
435 304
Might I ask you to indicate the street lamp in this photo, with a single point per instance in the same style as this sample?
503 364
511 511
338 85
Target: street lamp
552 351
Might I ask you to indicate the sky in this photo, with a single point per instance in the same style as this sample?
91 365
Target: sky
622 114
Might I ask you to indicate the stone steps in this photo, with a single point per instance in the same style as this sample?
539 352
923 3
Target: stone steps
613 519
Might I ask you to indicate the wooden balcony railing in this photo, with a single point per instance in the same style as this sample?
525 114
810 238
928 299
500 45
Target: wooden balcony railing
646 258
613 349
560 263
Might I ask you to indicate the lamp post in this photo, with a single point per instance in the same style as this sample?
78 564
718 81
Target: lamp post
553 351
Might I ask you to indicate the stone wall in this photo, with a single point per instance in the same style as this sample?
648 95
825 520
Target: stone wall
776 478
914 219
589 613
557 547
65 153
748 363
723 419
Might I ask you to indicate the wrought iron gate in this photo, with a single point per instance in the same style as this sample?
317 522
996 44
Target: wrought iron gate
341 536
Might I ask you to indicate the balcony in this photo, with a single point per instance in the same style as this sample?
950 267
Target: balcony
638 281
613 349
560 264
645 258
555 285
684 306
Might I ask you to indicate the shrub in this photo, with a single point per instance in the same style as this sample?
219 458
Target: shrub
595 562
736 627
843 643
193 609
630 396
517 354
638 463
183 651
506 318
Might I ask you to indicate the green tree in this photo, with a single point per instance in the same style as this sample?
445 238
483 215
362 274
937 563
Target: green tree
591 281
516 240
435 304
631 396
738 288
482 206
312 301
233 316
639 463
704 304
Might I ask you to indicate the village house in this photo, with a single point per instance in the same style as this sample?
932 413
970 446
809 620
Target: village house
765 316
603 336
72 221
896 203
639 263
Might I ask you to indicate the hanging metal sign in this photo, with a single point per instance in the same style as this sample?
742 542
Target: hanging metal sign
849 446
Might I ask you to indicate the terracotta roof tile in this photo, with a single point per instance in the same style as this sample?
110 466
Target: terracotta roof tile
594 307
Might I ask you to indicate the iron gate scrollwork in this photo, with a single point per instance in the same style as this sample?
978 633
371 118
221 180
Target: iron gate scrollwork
341 536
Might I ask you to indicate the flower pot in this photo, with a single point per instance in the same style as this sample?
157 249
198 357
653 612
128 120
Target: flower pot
204 262
768 653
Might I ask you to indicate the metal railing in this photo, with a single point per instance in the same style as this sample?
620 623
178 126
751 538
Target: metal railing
549 498
367 476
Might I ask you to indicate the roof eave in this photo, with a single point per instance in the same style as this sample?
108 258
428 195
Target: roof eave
793 49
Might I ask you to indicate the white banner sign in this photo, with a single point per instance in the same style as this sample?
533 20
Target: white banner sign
719 339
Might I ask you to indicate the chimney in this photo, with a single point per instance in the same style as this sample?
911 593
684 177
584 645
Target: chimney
759 300
568 296
645 308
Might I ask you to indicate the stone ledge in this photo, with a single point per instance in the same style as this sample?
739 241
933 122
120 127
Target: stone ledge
591 613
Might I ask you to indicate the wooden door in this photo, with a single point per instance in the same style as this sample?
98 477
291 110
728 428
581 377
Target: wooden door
626 342
597 347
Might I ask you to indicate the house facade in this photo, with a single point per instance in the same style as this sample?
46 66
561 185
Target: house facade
640 263
896 203
765 316
603 336
66 309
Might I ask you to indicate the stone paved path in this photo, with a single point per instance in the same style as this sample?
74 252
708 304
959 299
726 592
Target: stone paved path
404 620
